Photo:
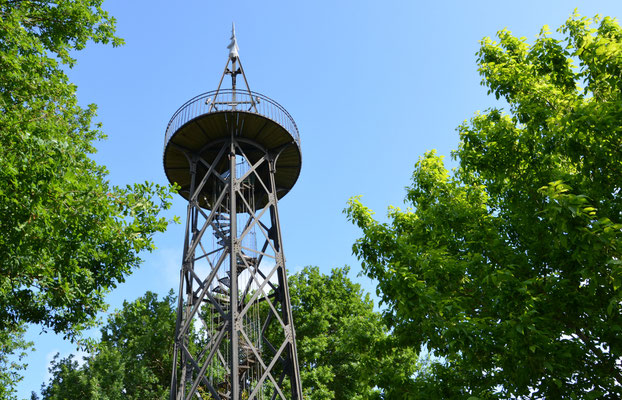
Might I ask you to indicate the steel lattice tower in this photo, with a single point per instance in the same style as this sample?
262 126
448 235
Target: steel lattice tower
234 153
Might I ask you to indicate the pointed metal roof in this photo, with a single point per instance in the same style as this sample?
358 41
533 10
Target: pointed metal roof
233 46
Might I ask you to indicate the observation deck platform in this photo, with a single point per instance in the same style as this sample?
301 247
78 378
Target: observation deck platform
206 122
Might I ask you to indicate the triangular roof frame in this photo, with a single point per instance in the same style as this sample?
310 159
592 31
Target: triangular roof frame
236 69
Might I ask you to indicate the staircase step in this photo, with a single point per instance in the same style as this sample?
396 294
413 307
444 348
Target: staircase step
220 289
221 299
221 234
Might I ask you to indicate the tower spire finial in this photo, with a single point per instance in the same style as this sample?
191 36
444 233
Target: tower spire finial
233 46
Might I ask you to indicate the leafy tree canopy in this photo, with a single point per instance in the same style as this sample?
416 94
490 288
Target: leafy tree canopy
342 343
132 360
510 267
13 348
66 235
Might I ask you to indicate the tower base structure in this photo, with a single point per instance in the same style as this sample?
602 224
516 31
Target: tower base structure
234 335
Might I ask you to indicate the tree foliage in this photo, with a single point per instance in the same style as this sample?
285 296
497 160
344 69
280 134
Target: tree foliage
66 235
13 349
341 342
509 267
131 361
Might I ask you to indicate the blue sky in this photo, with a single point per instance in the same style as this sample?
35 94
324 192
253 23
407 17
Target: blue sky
371 86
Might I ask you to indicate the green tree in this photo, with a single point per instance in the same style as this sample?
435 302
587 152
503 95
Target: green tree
339 337
70 382
342 342
509 267
131 361
66 235
13 349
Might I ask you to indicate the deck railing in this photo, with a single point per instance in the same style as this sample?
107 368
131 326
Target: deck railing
229 100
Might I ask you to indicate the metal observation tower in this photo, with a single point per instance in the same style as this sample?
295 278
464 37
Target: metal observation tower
234 153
